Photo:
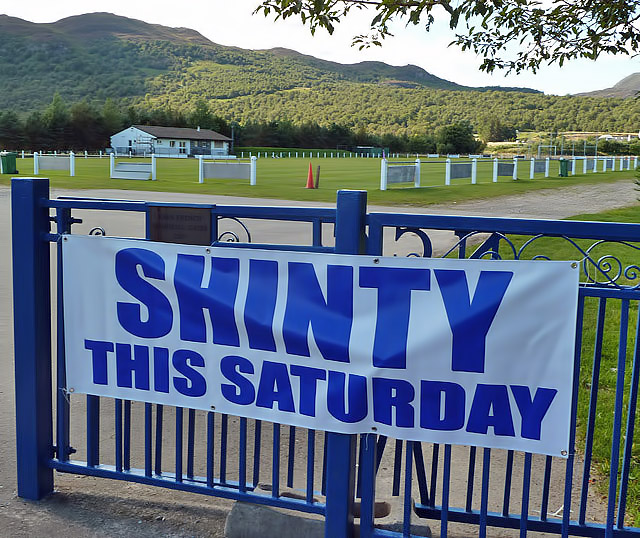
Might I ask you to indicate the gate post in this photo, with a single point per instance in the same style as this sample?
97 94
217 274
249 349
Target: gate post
341 448
32 336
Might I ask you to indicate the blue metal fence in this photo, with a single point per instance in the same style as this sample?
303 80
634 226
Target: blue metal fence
320 472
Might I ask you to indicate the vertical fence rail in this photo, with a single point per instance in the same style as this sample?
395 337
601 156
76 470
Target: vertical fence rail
32 336
63 225
341 448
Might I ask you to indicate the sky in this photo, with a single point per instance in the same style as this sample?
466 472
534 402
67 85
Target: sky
233 23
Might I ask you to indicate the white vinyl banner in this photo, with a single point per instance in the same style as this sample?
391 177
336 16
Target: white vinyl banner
472 352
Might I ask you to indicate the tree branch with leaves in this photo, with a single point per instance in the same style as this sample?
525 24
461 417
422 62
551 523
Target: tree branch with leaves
511 35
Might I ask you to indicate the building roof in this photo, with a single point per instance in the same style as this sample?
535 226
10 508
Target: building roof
181 132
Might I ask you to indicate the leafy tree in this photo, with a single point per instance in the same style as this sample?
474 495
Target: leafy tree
201 115
56 119
457 138
11 130
35 131
493 130
112 119
509 34
84 124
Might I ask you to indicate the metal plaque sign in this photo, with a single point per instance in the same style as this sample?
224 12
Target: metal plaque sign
180 224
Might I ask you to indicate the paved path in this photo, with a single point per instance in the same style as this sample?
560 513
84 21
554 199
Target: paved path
90 507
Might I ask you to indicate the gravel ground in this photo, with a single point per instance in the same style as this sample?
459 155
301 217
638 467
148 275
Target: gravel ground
84 506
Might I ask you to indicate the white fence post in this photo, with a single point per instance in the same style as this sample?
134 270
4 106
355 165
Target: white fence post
573 166
72 164
86 155
532 168
23 154
153 167
36 164
101 154
584 166
383 175
447 174
635 162
495 170
474 171
515 168
546 167
253 176
416 179
112 164
201 168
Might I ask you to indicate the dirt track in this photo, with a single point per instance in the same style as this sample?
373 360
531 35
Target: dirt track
90 507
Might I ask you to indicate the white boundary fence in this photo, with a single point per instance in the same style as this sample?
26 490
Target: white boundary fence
502 169
54 162
589 163
461 171
608 163
224 170
399 172
132 170
539 166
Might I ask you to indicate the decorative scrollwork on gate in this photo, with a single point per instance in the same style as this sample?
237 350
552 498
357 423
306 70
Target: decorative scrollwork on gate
98 230
605 269
233 235
427 248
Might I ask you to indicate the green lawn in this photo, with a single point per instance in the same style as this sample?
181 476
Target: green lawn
629 255
286 179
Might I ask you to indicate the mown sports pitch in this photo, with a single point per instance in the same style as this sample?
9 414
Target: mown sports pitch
286 179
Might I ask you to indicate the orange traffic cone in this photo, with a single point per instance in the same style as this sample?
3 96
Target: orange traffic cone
310 178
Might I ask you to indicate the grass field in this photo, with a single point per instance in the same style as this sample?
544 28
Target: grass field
560 249
286 179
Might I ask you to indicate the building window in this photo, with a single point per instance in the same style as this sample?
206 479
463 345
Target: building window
183 147
172 143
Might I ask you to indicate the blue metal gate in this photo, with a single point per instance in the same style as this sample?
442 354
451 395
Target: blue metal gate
320 472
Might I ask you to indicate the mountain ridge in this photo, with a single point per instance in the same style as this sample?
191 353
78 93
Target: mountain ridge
627 87
105 33
166 73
